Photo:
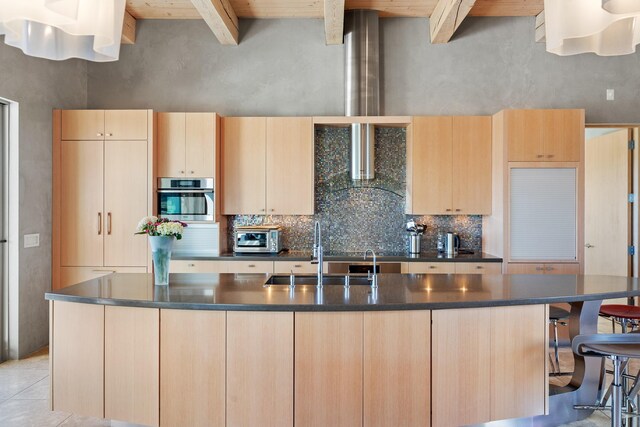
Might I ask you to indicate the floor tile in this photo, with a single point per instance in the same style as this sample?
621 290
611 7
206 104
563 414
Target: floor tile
34 362
39 390
28 413
14 381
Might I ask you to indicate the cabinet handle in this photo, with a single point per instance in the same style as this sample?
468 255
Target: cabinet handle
103 271
540 156
539 268
479 267
181 172
99 223
458 210
109 134
589 245
109 223
550 156
297 266
272 210
251 265
261 210
447 210
99 134
191 265
549 268
432 266
191 172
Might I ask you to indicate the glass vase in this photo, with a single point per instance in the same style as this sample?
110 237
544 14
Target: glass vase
161 252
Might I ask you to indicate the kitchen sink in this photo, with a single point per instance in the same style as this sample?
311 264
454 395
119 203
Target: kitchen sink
313 280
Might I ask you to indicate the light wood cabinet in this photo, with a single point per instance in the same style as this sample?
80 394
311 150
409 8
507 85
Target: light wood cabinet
298 267
259 369
83 125
77 358
430 268
131 365
478 267
328 369
184 266
186 144
101 188
449 165
397 354
538 268
262 267
267 165
192 368
544 135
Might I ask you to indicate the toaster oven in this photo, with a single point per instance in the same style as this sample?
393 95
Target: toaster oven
257 239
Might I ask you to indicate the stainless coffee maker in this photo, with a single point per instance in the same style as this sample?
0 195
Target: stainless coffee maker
451 243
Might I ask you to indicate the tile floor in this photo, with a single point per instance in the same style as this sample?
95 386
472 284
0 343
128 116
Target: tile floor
24 394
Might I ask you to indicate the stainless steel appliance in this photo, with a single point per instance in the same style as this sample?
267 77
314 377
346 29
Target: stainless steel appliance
198 239
257 239
186 199
358 267
415 235
451 243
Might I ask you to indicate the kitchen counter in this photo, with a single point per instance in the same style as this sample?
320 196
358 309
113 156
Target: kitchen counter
395 292
348 256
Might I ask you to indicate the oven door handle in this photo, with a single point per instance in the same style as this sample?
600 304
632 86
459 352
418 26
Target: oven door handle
186 191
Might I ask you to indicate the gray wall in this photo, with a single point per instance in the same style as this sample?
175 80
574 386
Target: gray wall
38 86
282 67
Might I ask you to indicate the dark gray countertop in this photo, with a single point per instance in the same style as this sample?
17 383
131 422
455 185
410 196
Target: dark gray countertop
395 292
348 256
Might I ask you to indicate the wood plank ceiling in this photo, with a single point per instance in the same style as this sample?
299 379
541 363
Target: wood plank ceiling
222 15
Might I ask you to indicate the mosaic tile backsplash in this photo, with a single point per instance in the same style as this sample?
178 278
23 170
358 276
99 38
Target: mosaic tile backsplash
368 215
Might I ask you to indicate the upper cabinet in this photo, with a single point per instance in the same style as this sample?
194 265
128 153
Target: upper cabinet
543 135
186 144
86 125
267 165
449 165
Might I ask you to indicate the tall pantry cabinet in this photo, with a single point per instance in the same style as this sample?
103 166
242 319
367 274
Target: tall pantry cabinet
102 187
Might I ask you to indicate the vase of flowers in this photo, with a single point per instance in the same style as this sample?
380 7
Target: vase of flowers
162 233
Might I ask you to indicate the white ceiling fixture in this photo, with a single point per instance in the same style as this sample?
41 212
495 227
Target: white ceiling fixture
621 6
581 26
63 29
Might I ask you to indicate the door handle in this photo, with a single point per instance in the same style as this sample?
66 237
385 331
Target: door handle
99 223
3 241
589 245
109 223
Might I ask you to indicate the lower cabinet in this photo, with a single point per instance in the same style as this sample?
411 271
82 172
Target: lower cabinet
298 267
184 266
430 268
478 267
420 267
192 368
259 369
547 268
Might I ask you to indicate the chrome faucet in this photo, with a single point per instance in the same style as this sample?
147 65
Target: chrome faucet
318 251
373 277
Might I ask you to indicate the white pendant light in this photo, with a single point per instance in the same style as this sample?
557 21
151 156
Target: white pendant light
63 29
580 26
621 6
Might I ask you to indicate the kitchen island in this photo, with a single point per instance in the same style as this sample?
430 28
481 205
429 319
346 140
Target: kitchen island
226 349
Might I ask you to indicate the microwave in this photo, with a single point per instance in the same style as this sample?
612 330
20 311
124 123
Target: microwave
257 239
186 199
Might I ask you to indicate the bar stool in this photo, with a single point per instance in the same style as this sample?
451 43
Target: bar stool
617 347
557 316
626 315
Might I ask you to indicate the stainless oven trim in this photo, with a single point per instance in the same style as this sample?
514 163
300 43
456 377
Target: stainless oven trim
205 184
209 201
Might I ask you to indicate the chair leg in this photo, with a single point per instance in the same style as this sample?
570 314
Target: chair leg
556 345
616 395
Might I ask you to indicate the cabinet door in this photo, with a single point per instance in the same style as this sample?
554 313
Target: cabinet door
243 160
397 353
562 269
478 267
125 202
171 144
262 267
290 169
77 358
132 365
563 135
523 135
461 356
125 124
259 369
81 213
518 358
472 171
192 368
430 155
431 268
198 266
82 125
298 267
199 146
515 268
328 369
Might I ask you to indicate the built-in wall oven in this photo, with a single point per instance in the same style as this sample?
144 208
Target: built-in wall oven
186 199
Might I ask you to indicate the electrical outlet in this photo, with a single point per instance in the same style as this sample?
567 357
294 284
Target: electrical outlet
31 240
611 94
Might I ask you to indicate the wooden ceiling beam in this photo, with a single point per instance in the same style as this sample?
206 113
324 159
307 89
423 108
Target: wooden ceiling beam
541 31
447 17
128 29
220 17
334 21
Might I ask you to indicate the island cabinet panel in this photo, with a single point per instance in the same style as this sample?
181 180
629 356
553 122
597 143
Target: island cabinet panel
192 368
397 353
328 369
461 356
259 369
132 359
518 358
77 358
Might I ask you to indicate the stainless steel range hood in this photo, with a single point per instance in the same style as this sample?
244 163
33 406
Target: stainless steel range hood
362 87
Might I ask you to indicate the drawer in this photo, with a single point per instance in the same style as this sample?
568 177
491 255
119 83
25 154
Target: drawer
478 267
431 267
73 275
298 267
187 266
250 267
562 269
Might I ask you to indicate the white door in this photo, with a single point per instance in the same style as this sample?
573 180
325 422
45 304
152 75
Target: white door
606 233
4 138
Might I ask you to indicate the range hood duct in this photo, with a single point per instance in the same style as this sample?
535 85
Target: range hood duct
362 87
